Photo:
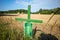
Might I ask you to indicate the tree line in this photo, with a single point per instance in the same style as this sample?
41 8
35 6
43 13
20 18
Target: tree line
48 11
41 11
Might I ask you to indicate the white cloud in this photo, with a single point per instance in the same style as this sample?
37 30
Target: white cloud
35 4
17 2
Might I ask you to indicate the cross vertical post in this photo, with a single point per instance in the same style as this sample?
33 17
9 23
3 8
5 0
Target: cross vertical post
28 26
29 9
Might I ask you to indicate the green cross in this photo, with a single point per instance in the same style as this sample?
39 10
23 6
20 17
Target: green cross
28 24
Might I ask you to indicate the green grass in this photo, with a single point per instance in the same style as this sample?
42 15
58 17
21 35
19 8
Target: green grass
7 33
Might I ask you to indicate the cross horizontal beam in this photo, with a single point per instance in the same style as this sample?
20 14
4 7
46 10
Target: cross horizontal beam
31 20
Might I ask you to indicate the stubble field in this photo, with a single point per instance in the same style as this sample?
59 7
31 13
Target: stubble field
51 27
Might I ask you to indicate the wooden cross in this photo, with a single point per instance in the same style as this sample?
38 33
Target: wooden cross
28 24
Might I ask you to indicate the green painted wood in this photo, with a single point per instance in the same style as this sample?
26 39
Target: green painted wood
31 20
29 9
28 24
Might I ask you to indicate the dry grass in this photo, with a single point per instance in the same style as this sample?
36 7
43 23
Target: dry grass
53 24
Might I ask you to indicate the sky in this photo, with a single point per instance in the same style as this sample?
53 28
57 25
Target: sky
23 4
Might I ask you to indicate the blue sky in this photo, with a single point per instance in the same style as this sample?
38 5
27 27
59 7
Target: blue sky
23 4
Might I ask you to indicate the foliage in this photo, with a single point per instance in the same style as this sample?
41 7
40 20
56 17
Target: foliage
44 11
56 10
13 11
48 11
41 11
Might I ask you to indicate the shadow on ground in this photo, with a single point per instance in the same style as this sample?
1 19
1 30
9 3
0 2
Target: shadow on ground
47 37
